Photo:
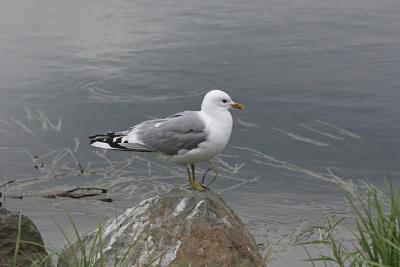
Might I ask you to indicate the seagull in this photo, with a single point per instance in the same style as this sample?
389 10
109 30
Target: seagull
187 137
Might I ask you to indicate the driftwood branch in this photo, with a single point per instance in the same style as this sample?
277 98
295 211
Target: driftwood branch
76 193
79 192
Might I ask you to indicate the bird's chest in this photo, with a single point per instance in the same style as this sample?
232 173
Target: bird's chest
219 133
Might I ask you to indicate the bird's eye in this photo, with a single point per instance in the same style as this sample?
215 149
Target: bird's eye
224 100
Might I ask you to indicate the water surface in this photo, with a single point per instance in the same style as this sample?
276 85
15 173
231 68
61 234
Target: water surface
320 81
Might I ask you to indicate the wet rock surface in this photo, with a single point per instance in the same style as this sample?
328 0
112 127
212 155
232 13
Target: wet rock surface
28 252
181 228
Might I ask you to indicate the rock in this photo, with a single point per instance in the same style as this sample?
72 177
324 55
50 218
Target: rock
181 228
8 236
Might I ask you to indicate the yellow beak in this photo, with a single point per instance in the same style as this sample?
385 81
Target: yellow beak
237 105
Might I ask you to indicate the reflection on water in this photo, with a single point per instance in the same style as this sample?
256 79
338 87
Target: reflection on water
320 81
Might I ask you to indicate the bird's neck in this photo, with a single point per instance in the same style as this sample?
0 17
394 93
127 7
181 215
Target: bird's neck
220 115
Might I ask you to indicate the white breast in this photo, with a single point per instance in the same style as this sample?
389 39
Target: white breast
219 130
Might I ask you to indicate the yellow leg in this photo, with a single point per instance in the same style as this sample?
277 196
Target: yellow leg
190 176
192 180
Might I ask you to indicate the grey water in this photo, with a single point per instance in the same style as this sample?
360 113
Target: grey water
320 81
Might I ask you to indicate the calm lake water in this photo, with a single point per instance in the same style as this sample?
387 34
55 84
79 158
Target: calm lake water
320 80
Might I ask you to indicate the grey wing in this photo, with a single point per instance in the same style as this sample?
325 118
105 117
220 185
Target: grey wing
182 131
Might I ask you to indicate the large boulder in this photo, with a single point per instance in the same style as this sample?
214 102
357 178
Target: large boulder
182 228
31 247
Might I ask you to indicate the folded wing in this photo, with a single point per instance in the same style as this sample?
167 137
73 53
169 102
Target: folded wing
181 132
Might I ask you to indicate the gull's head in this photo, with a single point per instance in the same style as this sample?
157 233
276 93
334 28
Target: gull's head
218 100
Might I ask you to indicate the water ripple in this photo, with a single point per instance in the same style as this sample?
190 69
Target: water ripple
146 86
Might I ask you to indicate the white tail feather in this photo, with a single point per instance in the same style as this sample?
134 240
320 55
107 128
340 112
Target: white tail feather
102 145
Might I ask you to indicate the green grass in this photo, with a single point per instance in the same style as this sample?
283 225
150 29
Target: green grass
376 232
38 262
17 242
